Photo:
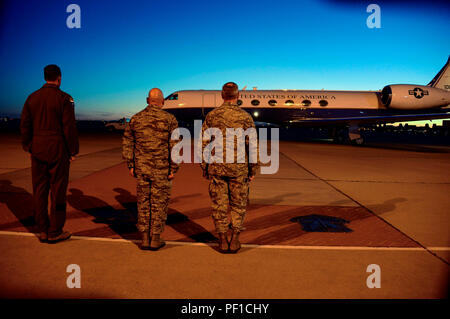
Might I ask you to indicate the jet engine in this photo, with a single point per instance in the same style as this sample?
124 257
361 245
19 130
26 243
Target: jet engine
413 97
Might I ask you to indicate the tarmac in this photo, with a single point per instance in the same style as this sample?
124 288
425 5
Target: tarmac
395 198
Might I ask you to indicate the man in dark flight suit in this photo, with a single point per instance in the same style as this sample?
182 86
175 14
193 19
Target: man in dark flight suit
50 135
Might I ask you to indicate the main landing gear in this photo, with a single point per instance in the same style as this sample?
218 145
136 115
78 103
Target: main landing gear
348 135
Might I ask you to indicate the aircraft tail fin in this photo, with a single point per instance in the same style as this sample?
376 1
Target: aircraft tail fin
442 79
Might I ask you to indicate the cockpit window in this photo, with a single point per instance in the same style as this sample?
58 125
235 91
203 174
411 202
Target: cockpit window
172 97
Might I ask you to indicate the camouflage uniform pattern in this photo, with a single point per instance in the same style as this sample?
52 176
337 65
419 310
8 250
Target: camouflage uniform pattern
228 115
228 191
152 201
147 147
229 182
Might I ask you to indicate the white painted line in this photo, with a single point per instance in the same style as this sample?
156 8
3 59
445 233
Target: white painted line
182 243
335 247
439 248
4 232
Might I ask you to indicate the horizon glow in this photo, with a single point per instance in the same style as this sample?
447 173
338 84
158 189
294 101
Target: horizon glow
123 49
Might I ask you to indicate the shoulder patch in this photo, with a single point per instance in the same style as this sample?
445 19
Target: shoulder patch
70 98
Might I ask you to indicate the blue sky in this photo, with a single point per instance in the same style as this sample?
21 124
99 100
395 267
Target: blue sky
124 48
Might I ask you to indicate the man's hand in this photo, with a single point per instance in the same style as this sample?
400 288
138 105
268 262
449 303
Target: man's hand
251 178
72 158
132 172
170 177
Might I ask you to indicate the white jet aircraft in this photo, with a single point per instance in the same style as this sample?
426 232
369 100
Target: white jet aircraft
346 111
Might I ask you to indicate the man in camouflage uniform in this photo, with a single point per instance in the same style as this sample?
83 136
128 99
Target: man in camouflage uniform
147 147
229 182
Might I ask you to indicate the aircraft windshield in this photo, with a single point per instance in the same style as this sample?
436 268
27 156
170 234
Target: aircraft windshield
173 96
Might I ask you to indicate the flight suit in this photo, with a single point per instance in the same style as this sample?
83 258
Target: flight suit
147 147
50 135
229 182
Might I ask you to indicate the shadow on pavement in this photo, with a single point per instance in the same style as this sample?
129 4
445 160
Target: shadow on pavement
182 224
120 221
123 221
288 221
20 203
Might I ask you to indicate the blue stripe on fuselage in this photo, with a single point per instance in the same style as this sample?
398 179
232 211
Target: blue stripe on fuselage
284 115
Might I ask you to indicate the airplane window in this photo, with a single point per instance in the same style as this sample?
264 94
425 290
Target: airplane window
173 96
255 102
323 103
239 102
289 102
272 102
306 102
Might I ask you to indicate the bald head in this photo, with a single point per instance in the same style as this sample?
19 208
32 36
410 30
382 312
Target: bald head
155 97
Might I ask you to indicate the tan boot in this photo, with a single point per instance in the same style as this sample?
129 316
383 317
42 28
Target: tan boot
145 245
235 244
223 243
156 243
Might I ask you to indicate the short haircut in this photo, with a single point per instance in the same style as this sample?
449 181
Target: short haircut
51 72
230 91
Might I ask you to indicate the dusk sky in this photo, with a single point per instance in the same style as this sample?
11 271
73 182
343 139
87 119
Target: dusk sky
124 48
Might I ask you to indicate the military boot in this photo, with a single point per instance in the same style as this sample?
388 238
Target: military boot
145 245
235 244
63 236
156 243
223 243
43 237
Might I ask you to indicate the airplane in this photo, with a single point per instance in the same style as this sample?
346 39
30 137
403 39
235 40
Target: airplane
344 111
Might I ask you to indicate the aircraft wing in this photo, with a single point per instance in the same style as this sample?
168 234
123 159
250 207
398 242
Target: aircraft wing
370 119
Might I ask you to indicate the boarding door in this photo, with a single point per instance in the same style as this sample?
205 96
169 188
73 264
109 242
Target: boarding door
209 101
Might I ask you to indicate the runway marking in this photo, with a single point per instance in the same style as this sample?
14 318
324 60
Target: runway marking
181 243
352 181
387 182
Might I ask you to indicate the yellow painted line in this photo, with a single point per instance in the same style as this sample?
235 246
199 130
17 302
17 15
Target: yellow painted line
181 243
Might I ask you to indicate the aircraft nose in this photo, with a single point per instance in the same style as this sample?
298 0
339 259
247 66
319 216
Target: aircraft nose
446 97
